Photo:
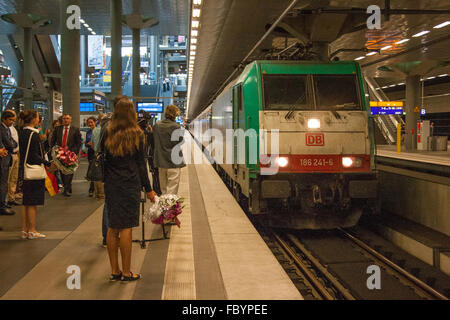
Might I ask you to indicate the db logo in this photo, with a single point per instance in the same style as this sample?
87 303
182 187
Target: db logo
315 139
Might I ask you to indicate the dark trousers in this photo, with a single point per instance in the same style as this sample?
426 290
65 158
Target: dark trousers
4 172
67 182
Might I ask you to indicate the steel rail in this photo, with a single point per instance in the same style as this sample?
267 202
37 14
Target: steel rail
417 282
318 287
344 291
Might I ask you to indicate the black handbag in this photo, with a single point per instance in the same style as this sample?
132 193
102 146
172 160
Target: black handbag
96 170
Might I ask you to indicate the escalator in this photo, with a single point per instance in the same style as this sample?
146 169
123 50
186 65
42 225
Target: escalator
47 59
386 124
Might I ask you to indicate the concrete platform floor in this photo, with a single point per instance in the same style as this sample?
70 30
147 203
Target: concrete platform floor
433 157
216 254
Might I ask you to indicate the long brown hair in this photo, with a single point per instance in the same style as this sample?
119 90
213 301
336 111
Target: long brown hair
124 135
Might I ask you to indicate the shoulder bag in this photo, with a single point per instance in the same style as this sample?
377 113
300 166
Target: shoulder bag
33 171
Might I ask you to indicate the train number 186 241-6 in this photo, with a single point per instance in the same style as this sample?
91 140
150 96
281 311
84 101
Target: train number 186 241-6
316 162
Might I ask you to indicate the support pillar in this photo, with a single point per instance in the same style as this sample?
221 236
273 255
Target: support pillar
323 50
116 48
412 101
83 59
136 64
70 65
28 68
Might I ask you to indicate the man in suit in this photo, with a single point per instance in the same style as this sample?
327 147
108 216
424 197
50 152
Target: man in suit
8 119
67 136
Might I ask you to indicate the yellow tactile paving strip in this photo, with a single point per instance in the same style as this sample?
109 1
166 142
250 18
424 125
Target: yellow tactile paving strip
179 281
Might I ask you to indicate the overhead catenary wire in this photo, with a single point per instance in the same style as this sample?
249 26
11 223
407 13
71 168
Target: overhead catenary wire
268 32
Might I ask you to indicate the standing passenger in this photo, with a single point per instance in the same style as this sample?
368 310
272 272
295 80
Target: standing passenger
8 119
67 136
125 176
89 144
169 172
33 190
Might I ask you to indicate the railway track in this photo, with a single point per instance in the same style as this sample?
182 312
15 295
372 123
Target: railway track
324 283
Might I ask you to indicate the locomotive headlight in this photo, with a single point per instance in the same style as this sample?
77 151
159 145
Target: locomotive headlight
347 162
352 162
282 162
313 123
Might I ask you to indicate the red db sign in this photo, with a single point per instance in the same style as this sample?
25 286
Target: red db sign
315 139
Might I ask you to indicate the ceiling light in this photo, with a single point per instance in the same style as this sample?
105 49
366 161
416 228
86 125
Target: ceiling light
371 53
443 75
194 33
392 85
93 33
429 78
360 58
385 48
90 29
193 53
443 24
194 40
196 13
421 33
82 21
198 2
86 25
193 47
384 87
402 41
400 84
195 24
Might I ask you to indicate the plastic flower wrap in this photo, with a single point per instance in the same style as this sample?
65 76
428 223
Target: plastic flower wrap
165 210
65 160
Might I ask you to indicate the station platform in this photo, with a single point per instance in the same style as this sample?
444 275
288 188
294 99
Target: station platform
216 254
441 158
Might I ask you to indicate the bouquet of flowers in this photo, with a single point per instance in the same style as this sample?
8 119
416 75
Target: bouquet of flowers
165 210
65 160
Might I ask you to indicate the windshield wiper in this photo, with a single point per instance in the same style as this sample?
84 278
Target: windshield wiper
292 109
345 105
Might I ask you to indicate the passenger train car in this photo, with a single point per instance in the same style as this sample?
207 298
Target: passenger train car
324 174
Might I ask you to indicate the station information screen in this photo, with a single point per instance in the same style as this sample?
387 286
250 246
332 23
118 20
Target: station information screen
150 107
386 110
386 107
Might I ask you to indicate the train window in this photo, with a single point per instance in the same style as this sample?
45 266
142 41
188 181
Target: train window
284 92
337 92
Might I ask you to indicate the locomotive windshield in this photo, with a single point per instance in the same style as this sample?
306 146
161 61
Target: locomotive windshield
285 92
336 92
293 92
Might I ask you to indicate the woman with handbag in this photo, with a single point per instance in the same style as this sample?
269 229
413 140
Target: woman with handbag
32 170
125 175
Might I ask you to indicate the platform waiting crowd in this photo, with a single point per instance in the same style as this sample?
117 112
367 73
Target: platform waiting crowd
26 158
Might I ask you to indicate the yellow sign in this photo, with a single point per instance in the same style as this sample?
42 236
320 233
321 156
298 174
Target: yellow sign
386 103
106 78
416 109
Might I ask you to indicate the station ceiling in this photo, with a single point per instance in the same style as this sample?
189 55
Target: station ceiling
173 15
230 28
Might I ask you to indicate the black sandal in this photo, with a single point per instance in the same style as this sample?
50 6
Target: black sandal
116 277
131 278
